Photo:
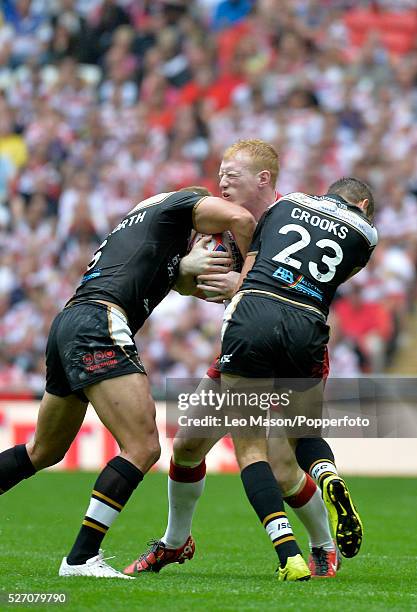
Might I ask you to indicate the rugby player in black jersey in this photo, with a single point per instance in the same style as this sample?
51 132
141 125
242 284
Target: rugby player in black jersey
91 356
247 175
275 327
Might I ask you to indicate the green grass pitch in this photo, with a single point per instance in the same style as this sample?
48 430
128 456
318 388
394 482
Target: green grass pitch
233 569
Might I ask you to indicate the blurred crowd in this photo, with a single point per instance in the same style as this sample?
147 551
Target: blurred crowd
106 102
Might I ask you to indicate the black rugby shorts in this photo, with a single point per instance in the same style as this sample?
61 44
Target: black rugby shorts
88 342
264 337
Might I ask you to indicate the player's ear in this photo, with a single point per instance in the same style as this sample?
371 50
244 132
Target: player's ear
363 205
264 177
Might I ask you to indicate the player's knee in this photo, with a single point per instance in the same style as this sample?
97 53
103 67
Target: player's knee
145 455
154 452
286 472
246 456
186 451
43 456
148 457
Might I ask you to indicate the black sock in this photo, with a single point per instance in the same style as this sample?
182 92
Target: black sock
15 466
265 496
315 457
111 492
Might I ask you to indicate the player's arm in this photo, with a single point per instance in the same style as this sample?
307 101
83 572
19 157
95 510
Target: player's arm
253 251
230 284
364 261
247 267
214 215
224 285
200 261
227 284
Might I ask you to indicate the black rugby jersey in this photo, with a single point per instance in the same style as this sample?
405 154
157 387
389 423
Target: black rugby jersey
138 263
307 246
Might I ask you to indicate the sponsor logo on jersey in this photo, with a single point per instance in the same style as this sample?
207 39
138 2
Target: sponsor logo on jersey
297 282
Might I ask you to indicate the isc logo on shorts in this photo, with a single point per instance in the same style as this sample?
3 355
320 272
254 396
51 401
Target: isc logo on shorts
226 358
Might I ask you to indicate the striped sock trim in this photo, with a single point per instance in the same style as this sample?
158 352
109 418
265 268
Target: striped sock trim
104 498
279 528
283 540
101 512
271 517
95 525
322 461
321 468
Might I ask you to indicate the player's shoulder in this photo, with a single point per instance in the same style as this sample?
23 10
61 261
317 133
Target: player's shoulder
185 197
170 200
336 208
298 197
152 201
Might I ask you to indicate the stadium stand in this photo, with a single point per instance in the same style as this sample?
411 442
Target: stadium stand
105 102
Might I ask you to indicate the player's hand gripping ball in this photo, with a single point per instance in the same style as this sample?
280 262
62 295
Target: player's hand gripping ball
223 243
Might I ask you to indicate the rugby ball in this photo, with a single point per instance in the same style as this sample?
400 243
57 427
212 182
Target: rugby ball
225 243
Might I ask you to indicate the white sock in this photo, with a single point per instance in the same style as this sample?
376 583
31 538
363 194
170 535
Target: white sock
183 498
314 517
312 512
